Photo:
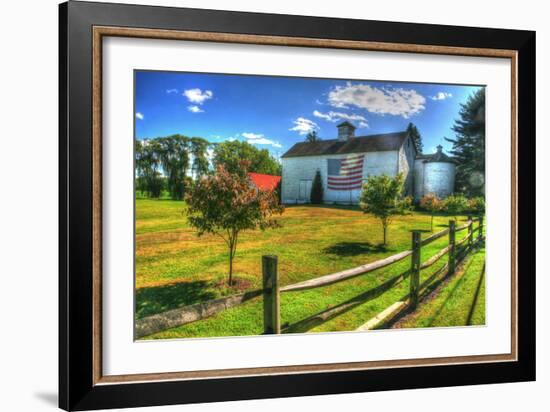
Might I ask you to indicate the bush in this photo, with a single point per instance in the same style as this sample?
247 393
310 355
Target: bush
316 196
476 206
455 205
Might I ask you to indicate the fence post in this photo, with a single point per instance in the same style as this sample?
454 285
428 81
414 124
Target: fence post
270 275
470 232
415 268
452 256
480 229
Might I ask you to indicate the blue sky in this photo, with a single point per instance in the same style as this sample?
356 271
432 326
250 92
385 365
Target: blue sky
276 112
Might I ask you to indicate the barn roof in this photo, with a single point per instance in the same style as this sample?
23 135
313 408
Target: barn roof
438 157
359 144
264 182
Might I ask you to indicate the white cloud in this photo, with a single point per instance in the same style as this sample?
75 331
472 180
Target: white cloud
383 100
337 116
140 116
195 109
171 91
441 96
304 126
256 138
197 95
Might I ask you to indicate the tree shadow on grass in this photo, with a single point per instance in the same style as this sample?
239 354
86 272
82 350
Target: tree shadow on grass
162 298
354 248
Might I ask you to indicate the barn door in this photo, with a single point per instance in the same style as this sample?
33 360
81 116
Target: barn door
304 190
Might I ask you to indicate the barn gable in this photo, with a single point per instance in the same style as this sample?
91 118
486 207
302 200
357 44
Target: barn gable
382 154
360 144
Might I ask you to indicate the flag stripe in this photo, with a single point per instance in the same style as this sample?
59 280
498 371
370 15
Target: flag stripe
346 188
357 178
350 169
346 173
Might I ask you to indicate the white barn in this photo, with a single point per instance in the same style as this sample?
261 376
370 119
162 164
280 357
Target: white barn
346 162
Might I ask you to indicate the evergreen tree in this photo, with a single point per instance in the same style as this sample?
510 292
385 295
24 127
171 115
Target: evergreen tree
316 196
416 137
312 137
469 146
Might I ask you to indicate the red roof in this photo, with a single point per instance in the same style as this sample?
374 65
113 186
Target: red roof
265 182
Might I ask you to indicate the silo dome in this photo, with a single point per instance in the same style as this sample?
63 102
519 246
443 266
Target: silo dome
435 174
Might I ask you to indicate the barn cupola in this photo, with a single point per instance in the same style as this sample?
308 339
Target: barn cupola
345 131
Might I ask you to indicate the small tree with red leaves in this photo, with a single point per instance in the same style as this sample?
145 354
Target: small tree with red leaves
432 204
226 204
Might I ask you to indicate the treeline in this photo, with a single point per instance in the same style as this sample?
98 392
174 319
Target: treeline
469 146
171 164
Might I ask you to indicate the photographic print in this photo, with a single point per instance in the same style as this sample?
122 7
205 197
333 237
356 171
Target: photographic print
280 205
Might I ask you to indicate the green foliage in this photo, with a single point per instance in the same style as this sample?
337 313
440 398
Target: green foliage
476 205
172 154
469 146
455 205
199 148
148 178
230 154
431 203
225 204
312 137
174 157
316 196
416 137
382 196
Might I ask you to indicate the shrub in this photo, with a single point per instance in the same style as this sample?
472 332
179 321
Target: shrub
316 196
455 205
476 206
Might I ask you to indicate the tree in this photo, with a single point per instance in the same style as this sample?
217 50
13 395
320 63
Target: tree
316 195
226 204
455 205
229 154
174 157
312 137
469 145
199 148
149 179
382 196
416 137
432 204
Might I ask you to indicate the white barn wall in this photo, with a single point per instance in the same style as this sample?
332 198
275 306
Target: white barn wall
305 167
407 153
300 168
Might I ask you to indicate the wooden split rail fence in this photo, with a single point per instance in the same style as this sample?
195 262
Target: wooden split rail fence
456 251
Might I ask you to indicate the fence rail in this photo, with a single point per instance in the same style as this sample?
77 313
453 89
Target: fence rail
346 274
271 291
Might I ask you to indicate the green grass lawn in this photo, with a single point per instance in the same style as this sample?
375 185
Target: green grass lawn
175 268
461 301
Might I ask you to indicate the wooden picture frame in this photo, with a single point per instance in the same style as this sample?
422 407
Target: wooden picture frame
82 27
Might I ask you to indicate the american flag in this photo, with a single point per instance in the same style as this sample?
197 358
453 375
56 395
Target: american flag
346 173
